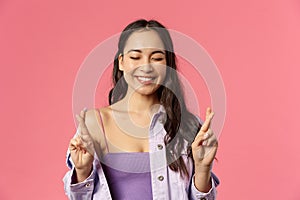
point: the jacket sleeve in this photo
(210, 195)
(82, 190)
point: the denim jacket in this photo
(166, 184)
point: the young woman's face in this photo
(143, 62)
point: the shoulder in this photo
(92, 116)
(95, 128)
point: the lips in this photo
(145, 79)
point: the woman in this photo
(150, 146)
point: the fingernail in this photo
(205, 135)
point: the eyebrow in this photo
(140, 51)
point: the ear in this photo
(120, 59)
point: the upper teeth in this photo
(144, 78)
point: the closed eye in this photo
(134, 58)
(158, 59)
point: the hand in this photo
(81, 157)
(205, 144)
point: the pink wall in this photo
(255, 45)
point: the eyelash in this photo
(156, 59)
(135, 58)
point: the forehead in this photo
(144, 39)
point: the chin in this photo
(147, 90)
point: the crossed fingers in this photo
(205, 136)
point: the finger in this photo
(208, 111)
(81, 120)
(203, 137)
(212, 141)
(199, 138)
(205, 126)
(207, 137)
(209, 117)
(208, 134)
(82, 113)
(77, 144)
(74, 144)
(81, 144)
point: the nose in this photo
(146, 66)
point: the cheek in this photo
(129, 66)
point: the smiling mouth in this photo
(145, 79)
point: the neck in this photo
(139, 103)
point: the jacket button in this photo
(160, 119)
(160, 178)
(160, 147)
(87, 185)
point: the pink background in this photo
(255, 45)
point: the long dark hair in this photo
(181, 126)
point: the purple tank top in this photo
(128, 175)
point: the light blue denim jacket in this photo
(166, 184)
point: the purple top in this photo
(165, 183)
(128, 175)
